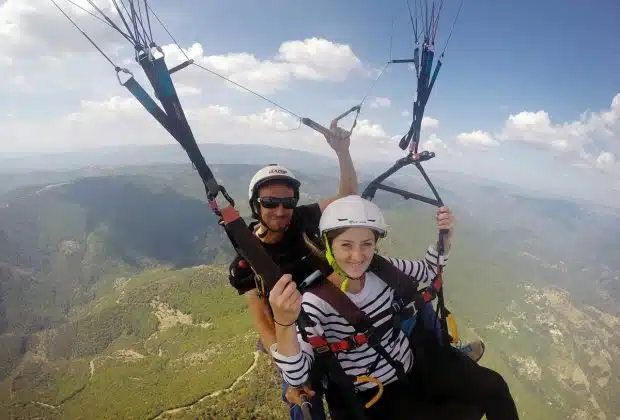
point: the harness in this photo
(406, 302)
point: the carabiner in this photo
(373, 400)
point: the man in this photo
(273, 196)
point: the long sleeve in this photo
(295, 368)
(334, 327)
(424, 270)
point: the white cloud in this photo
(185, 90)
(428, 122)
(434, 144)
(311, 59)
(537, 128)
(477, 138)
(318, 59)
(30, 30)
(122, 121)
(34, 27)
(379, 102)
(367, 129)
(72, 69)
(605, 160)
(594, 137)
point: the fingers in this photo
(341, 133)
(445, 218)
(284, 294)
(308, 390)
(338, 132)
(281, 284)
(288, 294)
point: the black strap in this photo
(173, 119)
(327, 291)
(405, 287)
(328, 363)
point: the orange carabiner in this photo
(374, 399)
(452, 328)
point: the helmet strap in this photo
(329, 255)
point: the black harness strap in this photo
(327, 362)
(407, 300)
(173, 119)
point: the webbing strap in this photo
(331, 294)
(320, 343)
(173, 119)
(250, 249)
(328, 363)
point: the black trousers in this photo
(443, 384)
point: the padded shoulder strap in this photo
(327, 291)
(404, 286)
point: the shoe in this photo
(474, 349)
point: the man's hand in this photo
(340, 139)
(293, 394)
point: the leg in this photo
(454, 378)
(474, 349)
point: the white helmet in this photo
(270, 173)
(352, 211)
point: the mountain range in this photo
(113, 283)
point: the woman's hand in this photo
(445, 221)
(285, 301)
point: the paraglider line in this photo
(120, 14)
(220, 75)
(415, 31)
(148, 20)
(82, 8)
(84, 33)
(246, 89)
(110, 22)
(452, 28)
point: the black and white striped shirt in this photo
(375, 297)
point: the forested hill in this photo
(62, 241)
(114, 284)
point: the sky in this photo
(529, 91)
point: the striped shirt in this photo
(374, 297)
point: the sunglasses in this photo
(273, 202)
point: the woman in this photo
(443, 385)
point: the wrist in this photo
(343, 153)
(284, 323)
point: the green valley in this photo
(114, 299)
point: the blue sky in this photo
(505, 59)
